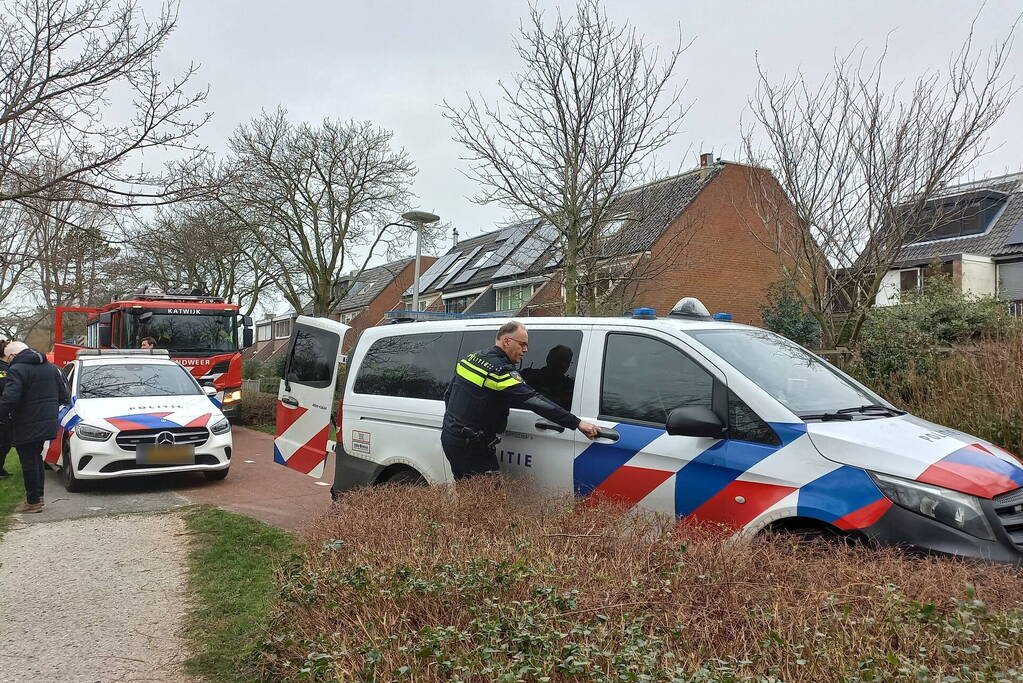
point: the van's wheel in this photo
(405, 478)
(71, 483)
(216, 475)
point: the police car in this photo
(703, 419)
(136, 413)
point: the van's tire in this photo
(216, 475)
(405, 478)
(71, 483)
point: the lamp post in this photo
(418, 219)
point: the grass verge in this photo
(495, 583)
(232, 564)
(12, 490)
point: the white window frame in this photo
(284, 321)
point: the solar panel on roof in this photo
(433, 272)
(459, 264)
(526, 255)
(515, 234)
(1016, 235)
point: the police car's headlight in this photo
(221, 427)
(89, 433)
(957, 510)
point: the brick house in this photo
(687, 235)
(975, 231)
(372, 293)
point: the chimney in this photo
(706, 162)
(454, 236)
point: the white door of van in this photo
(305, 398)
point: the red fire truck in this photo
(203, 333)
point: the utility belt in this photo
(475, 436)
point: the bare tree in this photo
(319, 199)
(860, 163)
(591, 107)
(64, 66)
(201, 244)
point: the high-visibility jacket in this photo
(485, 386)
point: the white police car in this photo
(137, 413)
(707, 420)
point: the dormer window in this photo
(613, 226)
(958, 216)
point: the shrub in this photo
(274, 367)
(258, 408)
(903, 338)
(252, 368)
(492, 583)
(785, 314)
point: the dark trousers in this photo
(468, 457)
(5, 446)
(32, 469)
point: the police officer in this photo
(5, 425)
(485, 386)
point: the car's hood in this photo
(148, 413)
(909, 447)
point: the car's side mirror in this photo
(208, 390)
(695, 421)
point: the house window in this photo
(263, 332)
(514, 298)
(613, 226)
(282, 329)
(458, 304)
(956, 219)
(909, 280)
(349, 316)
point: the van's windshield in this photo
(788, 372)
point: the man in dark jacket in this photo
(5, 426)
(485, 386)
(33, 391)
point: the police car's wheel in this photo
(71, 482)
(216, 475)
(405, 477)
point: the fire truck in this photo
(203, 333)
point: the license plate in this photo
(152, 454)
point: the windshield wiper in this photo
(871, 407)
(824, 417)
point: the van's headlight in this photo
(957, 510)
(221, 427)
(89, 433)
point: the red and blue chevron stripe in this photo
(846, 497)
(975, 470)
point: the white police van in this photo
(708, 420)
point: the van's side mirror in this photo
(247, 330)
(695, 421)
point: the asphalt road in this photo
(256, 486)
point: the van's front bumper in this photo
(913, 531)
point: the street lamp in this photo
(418, 219)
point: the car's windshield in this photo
(185, 333)
(126, 380)
(798, 379)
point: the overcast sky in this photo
(393, 62)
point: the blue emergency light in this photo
(722, 316)
(645, 313)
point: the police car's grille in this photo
(122, 465)
(1009, 508)
(195, 436)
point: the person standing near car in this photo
(148, 344)
(485, 386)
(5, 425)
(33, 391)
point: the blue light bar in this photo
(722, 316)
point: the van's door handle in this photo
(548, 426)
(289, 401)
(609, 434)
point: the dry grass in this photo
(493, 583)
(976, 388)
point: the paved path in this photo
(257, 487)
(94, 599)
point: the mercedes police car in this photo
(136, 413)
(702, 419)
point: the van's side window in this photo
(645, 379)
(745, 425)
(551, 362)
(409, 365)
(313, 357)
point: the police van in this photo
(700, 418)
